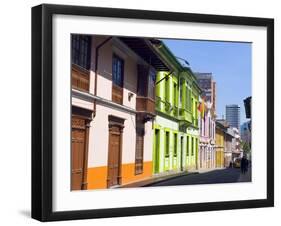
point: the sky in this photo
(229, 62)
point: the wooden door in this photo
(78, 152)
(114, 156)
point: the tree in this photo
(246, 148)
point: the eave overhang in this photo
(147, 52)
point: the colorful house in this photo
(176, 132)
(221, 153)
(113, 107)
(207, 125)
(229, 140)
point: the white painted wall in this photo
(98, 137)
(166, 123)
(82, 103)
(104, 80)
(98, 145)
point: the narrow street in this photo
(229, 175)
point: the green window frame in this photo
(192, 146)
(189, 100)
(175, 93)
(192, 106)
(167, 144)
(186, 95)
(175, 144)
(196, 147)
(167, 88)
(187, 145)
(181, 92)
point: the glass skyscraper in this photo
(232, 112)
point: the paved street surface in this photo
(229, 175)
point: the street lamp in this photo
(184, 60)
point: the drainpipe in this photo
(96, 69)
(179, 94)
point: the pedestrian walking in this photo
(244, 165)
(230, 164)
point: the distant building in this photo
(208, 86)
(248, 106)
(245, 131)
(229, 146)
(207, 125)
(232, 112)
(237, 152)
(221, 129)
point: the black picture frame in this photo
(42, 111)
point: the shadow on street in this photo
(228, 175)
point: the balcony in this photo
(117, 94)
(175, 111)
(80, 78)
(145, 105)
(185, 116)
(166, 107)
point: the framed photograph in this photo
(145, 112)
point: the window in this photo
(196, 145)
(117, 71)
(181, 84)
(205, 127)
(210, 128)
(192, 146)
(142, 81)
(167, 144)
(146, 82)
(175, 94)
(151, 84)
(192, 106)
(139, 146)
(187, 145)
(117, 79)
(81, 50)
(188, 99)
(167, 88)
(196, 111)
(175, 144)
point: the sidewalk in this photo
(209, 170)
(158, 178)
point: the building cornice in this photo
(91, 98)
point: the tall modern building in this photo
(245, 131)
(232, 112)
(208, 86)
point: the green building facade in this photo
(176, 132)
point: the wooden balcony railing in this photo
(117, 94)
(145, 104)
(158, 103)
(80, 78)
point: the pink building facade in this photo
(207, 152)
